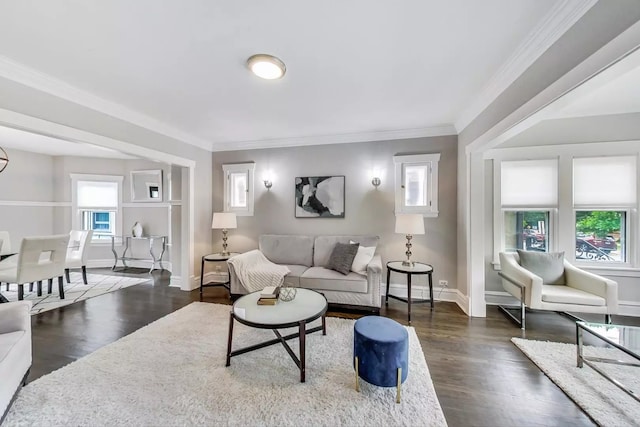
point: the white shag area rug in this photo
(172, 372)
(75, 291)
(603, 401)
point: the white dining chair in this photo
(77, 252)
(39, 258)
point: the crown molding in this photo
(34, 79)
(556, 22)
(388, 135)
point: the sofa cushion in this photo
(15, 360)
(324, 246)
(284, 249)
(342, 257)
(8, 341)
(548, 265)
(568, 295)
(295, 271)
(362, 259)
(320, 278)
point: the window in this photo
(97, 201)
(528, 194)
(417, 184)
(238, 188)
(604, 193)
(526, 230)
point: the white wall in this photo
(368, 210)
(33, 103)
(35, 199)
(566, 63)
(27, 196)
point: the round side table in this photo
(418, 268)
(215, 258)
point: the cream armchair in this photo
(581, 291)
(77, 252)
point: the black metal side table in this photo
(417, 268)
(215, 258)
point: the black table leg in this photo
(230, 337)
(386, 302)
(324, 326)
(303, 333)
(409, 294)
(202, 279)
(431, 290)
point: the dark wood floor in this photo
(480, 377)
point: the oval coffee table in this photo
(307, 306)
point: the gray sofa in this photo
(15, 350)
(307, 257)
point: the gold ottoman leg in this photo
(399, 386)
(357, 376)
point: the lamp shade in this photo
(224, 220)
(409, 224)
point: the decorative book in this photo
(270, 292)
(267, 301)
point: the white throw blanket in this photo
(256, 272)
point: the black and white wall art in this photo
(320, 197)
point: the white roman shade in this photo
(604, 181)
(529, 183)
(97, 194)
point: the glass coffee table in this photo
(624, 338)
(306, 307)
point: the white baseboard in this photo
(175, 281)
(629, 308)
(499, 298)
(108, 263)
(422, 292)
(625, 308)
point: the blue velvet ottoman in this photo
(380, 352)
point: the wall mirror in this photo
(146, 186)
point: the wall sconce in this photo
(4, 159)
(268, 183)
(376, 181)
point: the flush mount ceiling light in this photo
(266, 66)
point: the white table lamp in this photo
(409, 224)
(224, 221)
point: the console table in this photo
(127, 241)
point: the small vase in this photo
(136, 230)
(287, 292)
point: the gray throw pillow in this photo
(342, 257)
(548, 265)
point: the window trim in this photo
(76, 215)
(499, 210)
(432, 160)
(564, 216)
(249, 170)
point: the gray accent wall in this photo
(369, 210)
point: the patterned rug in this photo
(75, 291)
